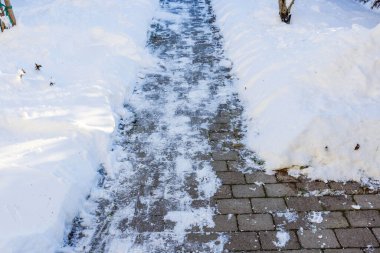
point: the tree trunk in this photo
(10, 12)
(285, 10)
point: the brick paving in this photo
(256, 208)
(254, 212)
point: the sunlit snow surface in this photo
(311, 89)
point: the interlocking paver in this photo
(234, 206)
(280, 190)
(290, 220)
(318, 239)
(356, 238)
(310, 186)
(222, 120)
(368, 201)
(248, 191)
(219, 136)
(255, 222)
(347, 187)
(311, 220)
(376, 232)
(243, 241)
(218, 127)
(219, 165)
(231, 177)
(260, 177)
(343, 251)
(225, 156)
(266, 205)
(285, 178)
(368, 218)
(224, 223)
(223, 192)
(331, 220)
(304, 204)
(233, 165)
(271, 240)
(333, 203)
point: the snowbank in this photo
(311, 89)
(56, 123)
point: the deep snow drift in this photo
(311, 89)
(55, 123)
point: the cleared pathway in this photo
(181, 185)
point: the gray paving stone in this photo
(248, 191)
(310, 186)
(255, 222)
(371, 250)
(222, 120)
(225, 156)
(245, 241)
(268, 205)
(356, 237)
(347, 187)
(367, 218)
(233, 165)
(218, 127)
(260, 177)
(333, 203)
(288, 251)
(319, 239)
(368, 201)
(333, 220)
(219, 165)
(283, 177)
(234, 206)
(376, 231)
(224, 223)
(269, 240)
(280, 190)
(343, 251)
(224, 192)
(219, 136)
(231, 177)
(290, 220)
(304, 220)
(303, 204)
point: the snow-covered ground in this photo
(55, 124)
(311, 89)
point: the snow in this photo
(53, 138)
(311, 89)
(288, 215)
(316, 217)
(283, 238)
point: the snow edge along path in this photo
(53, 138)
(311, 89)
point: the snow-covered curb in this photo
(311, 89)
(56, 123)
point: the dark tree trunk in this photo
(284, 10)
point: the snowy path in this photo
(166, 180)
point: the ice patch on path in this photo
(283, 238)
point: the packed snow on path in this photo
(311, 89)
(55, 124)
